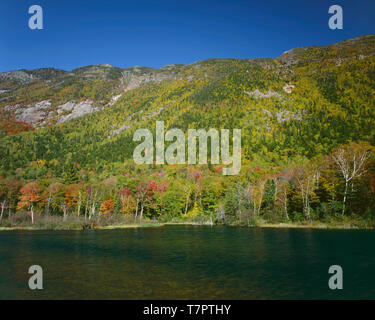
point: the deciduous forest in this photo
(308, 137)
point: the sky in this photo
(156, 33)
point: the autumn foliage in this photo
(30, 195)
(9, 126)
(107, 207)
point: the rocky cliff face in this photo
(137, 76)
(49, 95)
(73, 109)
(41, 113)
(26, 76)
(44, 111)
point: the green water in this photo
(188, 262)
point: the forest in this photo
(308, 137)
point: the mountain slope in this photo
(303, 103)
(307, 118)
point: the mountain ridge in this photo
(339, 43)
(281, 88)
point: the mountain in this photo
(306, 101)
(303, 116)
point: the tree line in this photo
(335, 187)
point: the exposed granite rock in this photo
(38, 114)
(33, 113)
(12, 108)
(137, 76)
(66, 107)
(25, 76)
(291, 57)
(17, 75)
(114, 99)
(76, 109)
(260, 95)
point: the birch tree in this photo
(306, 180)
(351, 162)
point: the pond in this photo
(188, 262)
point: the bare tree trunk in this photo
(286, 204)
(79, 204)
(136, 211)
(305, 199)
(141, 214)
(32, 214)
(3, 204)
(308, 200)
(87, 204)
(344, 201)
(92, 211)
(48, 204)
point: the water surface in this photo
(188, 262)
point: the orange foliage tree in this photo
(30, 196)
(107, 207)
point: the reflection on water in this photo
(188, 262)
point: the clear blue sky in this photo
(155, 33)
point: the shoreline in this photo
(321, 226)
(282, 225)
